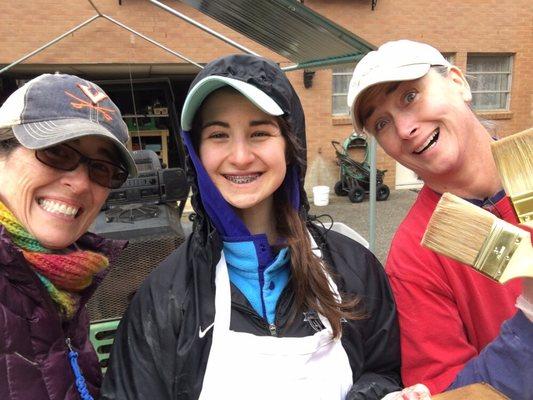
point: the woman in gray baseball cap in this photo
(62, 149)
(417, 106)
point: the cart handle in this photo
(336, 146)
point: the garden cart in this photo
(354, 176)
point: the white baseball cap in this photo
(401, 60)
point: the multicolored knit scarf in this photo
(63, 275)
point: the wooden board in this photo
(477, 391)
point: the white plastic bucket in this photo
(321, 195)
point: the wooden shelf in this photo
(161, 133)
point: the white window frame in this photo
(509, 73)
(335, 72)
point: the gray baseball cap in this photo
(55, 108)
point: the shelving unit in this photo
(144, 121)
(148, 129)
(162, 134)
(148, 108)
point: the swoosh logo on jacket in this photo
(202, 333)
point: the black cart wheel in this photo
(382, 192)
(339, 190)
(356, 194)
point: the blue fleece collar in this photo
(261, 283)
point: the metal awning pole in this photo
(203, 27)
(175, 53)
(325, 63)
(372, 217)
(48, 44)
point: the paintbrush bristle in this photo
(514, 159)
(457, 229)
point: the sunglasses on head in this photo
(66, 158)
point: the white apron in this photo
(244, 366)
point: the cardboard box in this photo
(477, 391)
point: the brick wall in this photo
(455, 26)
(458, 27)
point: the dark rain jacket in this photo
(34, 360)
(163, 342)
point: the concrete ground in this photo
(389, 214)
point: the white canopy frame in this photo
(322, 63)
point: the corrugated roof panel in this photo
(288, 28)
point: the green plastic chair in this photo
(102, 335)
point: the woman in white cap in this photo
(416, 105)
(61, 151)
(259, 303)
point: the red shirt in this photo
(448, 312)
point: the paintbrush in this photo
(514, 160)
(474, 236)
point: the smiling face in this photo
(56, 207)
(423, 124)
(242, 150)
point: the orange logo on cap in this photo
(95, 96)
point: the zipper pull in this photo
(69, 345)
(313, 319)
(272, 329)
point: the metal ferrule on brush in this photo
(523, 205)
(498, 248)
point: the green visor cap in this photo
(209, 84)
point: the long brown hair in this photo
(309, 274)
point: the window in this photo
(450, 57)
(489, 77)
(341, 80)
